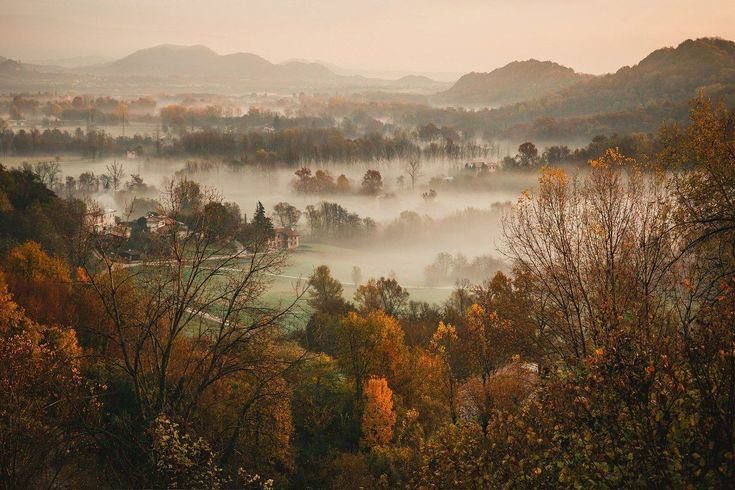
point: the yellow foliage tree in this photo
(378, 418)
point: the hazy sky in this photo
(451, 36)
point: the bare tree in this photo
(595, 254)
(413, 169)
(48, 172)
(190, 317)
(115, 173)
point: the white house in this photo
(100, 220)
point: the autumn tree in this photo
(378, 416)
(40, 283)
(46, 403)
(370, 345)
(382, 294)
(444, 345)
(185, 326)
(575, 244)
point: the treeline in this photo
(642, 147)
(329, 221)
(101, 110)
(294, 145)
(448, 269)
(179, 118)
(290, 146)
(93, 143)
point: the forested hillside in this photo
(516, 82)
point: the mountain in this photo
(515, 82)
(666, 76)
(200, 62)
(633, 99)
(416, 82)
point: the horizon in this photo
(443, 39)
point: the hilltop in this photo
(514, 82)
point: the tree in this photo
(40, 283)
(325, 297)
(372, 182)
(122, 113)
(325, 292)
(115, 173)
(181, 336)
(136, 184)
(528, 154)
(45, 402)
(588, 269)
(260, 229)
(413, 169)
(705, 192)
(187, 200)
(223, 220)
(444, 345)
(382, 294)
(429, 196)
(370, 345)
(378, 417)
(181, 461)
(288, 215)
(48, 173)
(343, 184)
(322, 419)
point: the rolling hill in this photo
(666, 76)
(200, 62)
(634, 98)
(515, 82)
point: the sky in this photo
(403, 36)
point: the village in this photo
(133, 240)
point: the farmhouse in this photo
(155, 222)
(100, 220)
(284, 239)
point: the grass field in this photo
(340, 261)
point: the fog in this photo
(457, 221)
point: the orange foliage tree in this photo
(45, 403)
(378, 418)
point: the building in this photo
(284, 239)
(100, 220)
(155, 222)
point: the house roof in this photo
(286, 231)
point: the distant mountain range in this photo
(177, 68)
(515, 82)
(521, 93)
(198, 62)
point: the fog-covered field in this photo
(458, 221)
